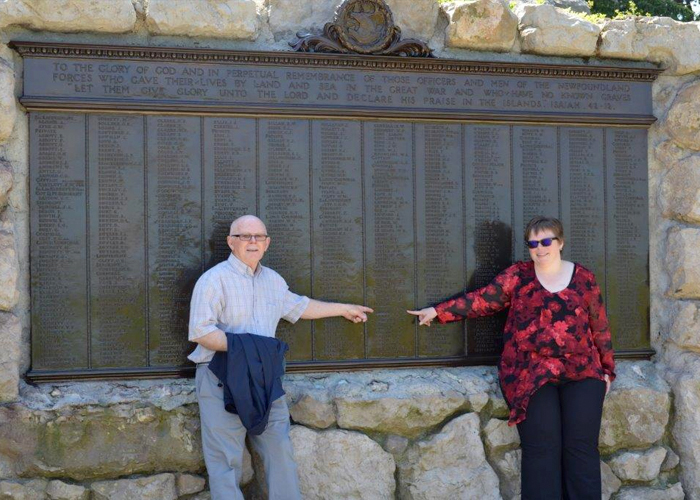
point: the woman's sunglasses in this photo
(545, 242)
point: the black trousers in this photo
(559, 439)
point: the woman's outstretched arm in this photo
(485, 301)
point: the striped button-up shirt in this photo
(232, 298)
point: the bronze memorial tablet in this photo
(391, 181)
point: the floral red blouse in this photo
(548, 337)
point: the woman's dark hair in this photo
(539, 224)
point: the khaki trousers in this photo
(223, 440)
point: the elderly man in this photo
(240, 295)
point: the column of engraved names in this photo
(229, 180)
(174, 238)
(58, 242)
(337, 230)
(535, 178)
(440, 231)
(583, 198)
(390, 240)
(489, 224)
(285, 208)
(628, 238)
(117, 255)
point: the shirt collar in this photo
(242, 268)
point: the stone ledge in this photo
(406, 403)
(145, 427)
(98, 443)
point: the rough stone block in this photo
(685, 329)
(232, 19)
(287, 17)
(449, 464)
(313, 412)
(508, 469)
(580, 6)
(416, 18)
(189, 484)
(8, 104)
(610, 481)
(656, 39)
(674, 492)
(396, 445)
(205, 495)
(548, 30)
(680, 190)
(409, 404)
(159, 487)
(10, 490)
(671, 461)
(9, 269)
(67, 16)
(481, 25)
(638, 465)
(94, 442)
(683, 119)
(10, 342)
(686, 425)
(498, 407)
(619, 40)
(682, 257)
(5, 182)
(342, 464)
(499, 436)
(407, 417)
(667, 154)
(58, 490)
(637, 408)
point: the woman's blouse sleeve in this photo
(600, 330)
(485, 301)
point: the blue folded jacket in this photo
(250, 372)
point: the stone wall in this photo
(428, 433)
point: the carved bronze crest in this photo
(362, 27)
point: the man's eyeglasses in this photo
(248, 237)
(545, 242)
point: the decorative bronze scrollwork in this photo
(362, 27)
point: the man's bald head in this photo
(247, 221)
(248, 251)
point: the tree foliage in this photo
(680, 10)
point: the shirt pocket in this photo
(267, 315)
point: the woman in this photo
(556, 365)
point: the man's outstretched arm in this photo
(352, 312)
